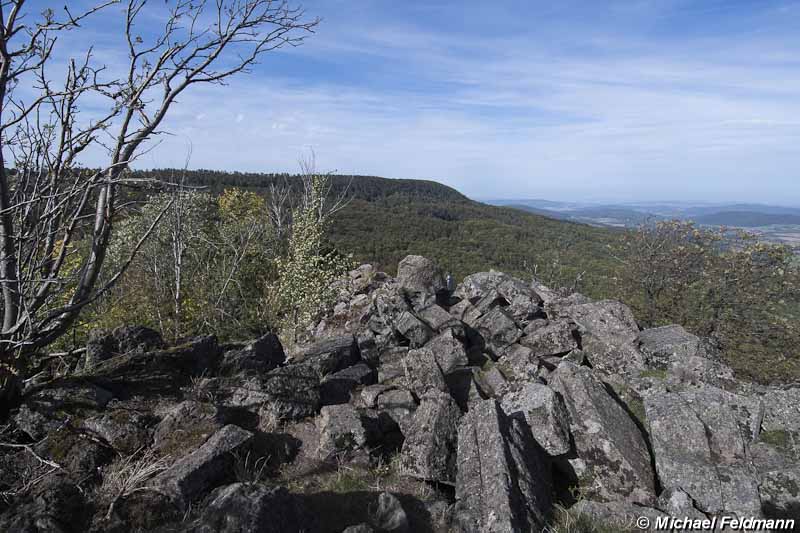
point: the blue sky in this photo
(581, 100)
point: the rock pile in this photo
(501, 398)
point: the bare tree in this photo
(56, 218)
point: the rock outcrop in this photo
(415, 408)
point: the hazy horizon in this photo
(625, 101)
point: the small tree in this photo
(725, 285)
(306, 273)
(47, 198)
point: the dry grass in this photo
(131, 474)
(250, 469)
(570, 521)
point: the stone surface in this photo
(293, 390)
(699, 462)
(676, 502)
(204, 468)
(663, 345)
(498, 330)
(448, 351)
(503, 480)
(429, 450)
(399, 405)
(413, 329)
(337, 387)
(125, 430)
(329, 355)
(423, 373)
(48, 407)
(619, 515)
(544, 412)
(523, 303)
(340, 431)
(185, 427)
(250, 507)
(389, 515)
(260, 355)
(122, 340)
(612, 461)
(420, 280)
(558, 337)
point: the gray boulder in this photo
(676, 502)
(252, 508)
(125, 430)
(420, 280)
(437, 318)
(429, 449)
(399, 406)
(780, 493)
(185, 427)
(293, 390)
(608, 332)
(498, 330)
(340, 431)
(330, 355)
(522, 302)
(337, 387)
(48, 407)
(503, 481)
(544, 412)
(391, 369)
(557, 337)
(389, 515)
(700, 463)
(204, 468)
(260, 355)
(413, 329)
(612, 461)
(519, 363)
(663, 345)
(122, 340)
(423, 373)
(448, 351)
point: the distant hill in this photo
(388, 219)
(747, 219)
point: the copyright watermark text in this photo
(727, 523)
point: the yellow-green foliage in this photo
(303, 289)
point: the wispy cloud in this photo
(636, 99)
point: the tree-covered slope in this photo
(387, 219)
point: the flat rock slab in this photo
(543, 410)
(612, 462)
(688, 456)
(557, 337)
(340, 431)
(429, 449)
(503, 482)
(205, 468)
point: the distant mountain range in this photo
(775, 223)
(627, 214)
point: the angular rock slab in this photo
(523, 302)
(422, 372)
(340, 431)
(429, 450)
(685, 458)
(420, 280)
(250, 507)
(544, 412)
(612, 462)
(557, 337)
(503, 482)
(205, 467)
